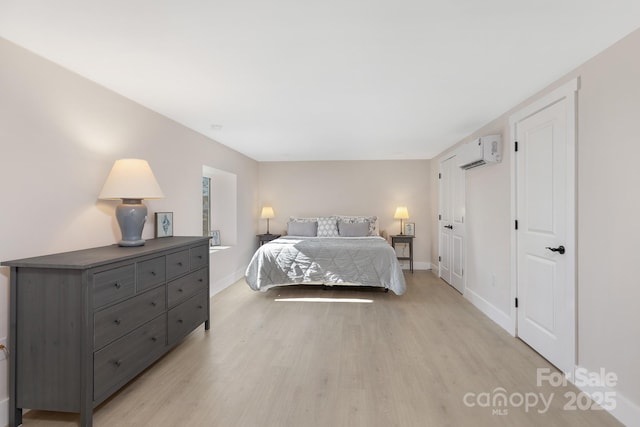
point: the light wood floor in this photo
(395, 361)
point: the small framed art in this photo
(215, 238)
(164, 224)
(410, 228)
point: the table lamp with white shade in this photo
(267, 213)
(401, 213)
(131, 180)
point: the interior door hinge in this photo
(516, 224)
(516, 145)
(439, 258)
(516, 302)
(439, 216)
(439, 176)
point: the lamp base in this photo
(131, 215)
(131, 243)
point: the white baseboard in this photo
(226, 281)
(4, 412)
(417, 265)
(490, 310)
(421, 265)
(626, 411)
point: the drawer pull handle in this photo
(201, 280)
(200, 306)
(118, 363)
(117, 285)
(180, 290)
(153, 303)
(179, 263)
(154, 339)
(117, 321)
(180, 321)
(153, 273)
(199, 256)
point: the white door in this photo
(452, 223)
(545, 236)
(445, 219)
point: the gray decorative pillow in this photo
(302, 229)
(353, 229)
(371, 220)
(327, 226)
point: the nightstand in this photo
(404, 238)
(265, 238)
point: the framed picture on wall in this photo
(164, 224)
(410, 228)
(215, 238)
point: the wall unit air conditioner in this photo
(481, 151)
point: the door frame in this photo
(567, 91)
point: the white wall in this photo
(608, 232)
(351, 188)
(59, 137)
(608, 206)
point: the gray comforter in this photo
(364, 261)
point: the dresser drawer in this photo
(151, 273)
(177, 264)
(185, 287)
(199, 257)
(122, 360)
(118, 320)
(113, 285)
(187, 316)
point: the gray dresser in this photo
(84, 323)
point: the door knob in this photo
(559, 249)
(450, 227)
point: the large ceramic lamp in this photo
(401, 213)
(132, 181)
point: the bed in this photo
(349, 261)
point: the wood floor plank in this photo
(382, 360)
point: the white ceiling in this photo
(324, 79)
